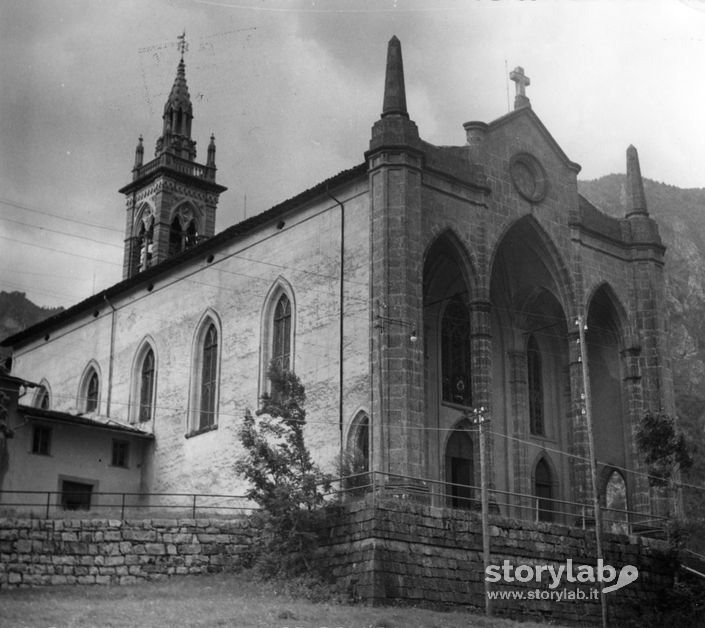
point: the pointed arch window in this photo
(89, 393)
(190, 235)
(281, 334)
(182, 237)
(278, 325)
(146, 245)
(92, 393)
(360, 444)
(147, 377)
(544, 491)
(455, 353)
(175, 237)
(209, 381)
(535, 387)
(42, 398)
(205, 378)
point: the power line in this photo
(10, 203)
(66, 233)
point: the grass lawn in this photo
(220, 600)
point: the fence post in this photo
(536, 503)
(48, 504)
(122, 508)
(583, 515)
(194, 506)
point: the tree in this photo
(665, 451)
(284, 481)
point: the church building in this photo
(421, 284)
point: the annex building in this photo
(422, 283)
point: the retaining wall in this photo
(380, 552)
(399, 552)
(101, 551)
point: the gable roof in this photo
(235, 231)
(528, 111)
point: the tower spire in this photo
(178, 114)
(636, 199)
(394, 90)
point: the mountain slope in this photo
(17, 312)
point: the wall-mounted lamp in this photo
(381, 320)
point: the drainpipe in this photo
(112, 355)
(340, 325)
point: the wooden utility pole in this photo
(480, 419)
(587, 414)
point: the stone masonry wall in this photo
(399, 552)
(100, 551)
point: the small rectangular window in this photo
(41, 440)
(76, 495)
(121, 451)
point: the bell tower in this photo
(172, 199)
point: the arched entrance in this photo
(459, 468)
(531, 390)
(448, 363)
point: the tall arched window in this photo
(190, 235)
(205, 378)
(42, 397)
(183, 234)
(543, 490)
(209, 375)
(281, 334)
(146, 245)
(147, 376)
(175, 237)
(277, 333)
(89, 391)
(455, 353)
(360, 444)
(535, 387)
(92, 393)
(459, 470)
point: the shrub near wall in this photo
(101, 551)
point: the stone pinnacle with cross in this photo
(522, 81)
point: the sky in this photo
(291, 88)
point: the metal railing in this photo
(62, 504)
(376, 485)
(508, 504)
